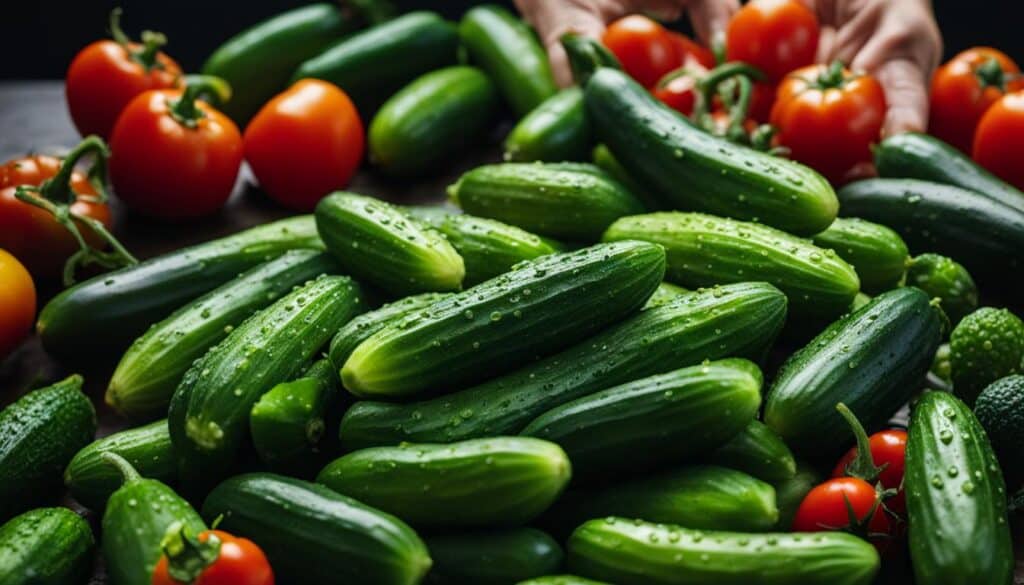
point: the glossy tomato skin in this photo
(646, 50)
(961, 92)
(305, 143)
(776, 36)
(161, 167)
(762, 98)
(824, 509)
(17, 303)
(690, 52)
(888, 448)
(680, 92)
(241, 562)
(999, 139)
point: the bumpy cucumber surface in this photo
(492, 557)
(947, 279)
(759, 451)
(554, 131)
(985, 346)
(46, 546)
(665, 292)
(877, 253)
(489, 247)
(561, 580)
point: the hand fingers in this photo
(711, 17)
(553, 18)
(906, 95)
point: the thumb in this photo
(551, 19)
(906, 95)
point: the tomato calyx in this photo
(188, 556)
(863, 465)
(207, 87)
(861, 527)
(835, 76)
(152, 42)
(990, 74)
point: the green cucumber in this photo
(956, 499)
(585, 54)
(39, 434)
(375, 241)
(209, 415)
(427, 122)
(872, 360)
(606, 161)
(946, 279)
(985, 346)
(877, 253)
(790, 493)
(669, 417)
(104, 314)
(145, 379)
(396, 52)
(47, 546)
(91, 479)
(541, 307)
(691, 169)
(561, 580)
(702, 250)
(665, 292)
(759, 451)
(500, 481)
(941, 366)
(316, 536)
(556, 130)
(548, 199)
(489, 247)
(736, 320)
(641, 553)
(494, 557)
(504, 47)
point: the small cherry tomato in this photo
(690, 52)
(239, 562)
(888, 449)
(827, 507)
(17, 303)
(645, 49)
(305, 143)
(776, 36)
(678, 90)
(999, 139)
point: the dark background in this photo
(39, 38)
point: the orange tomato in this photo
(999, 139)
(17, 303)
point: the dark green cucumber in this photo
(47, 546)
(91, 479)
(947, 279)
(39, 434)
(556, 130)
(373, 64)
(435, 117)
(759, 451)
(736, 320)
(872, 360)
(877, 253)
(641, 553)
(148, 373)
(691, 169)
(540, 307)
(103, 314)
(315, 536)
(703, 250)
(500, 481)
(209, 415)
(790, 493)
(956, 499)
(586, 54)
(561, 580)
(551, 200)
(606, 161)
(494, 557)
(669, 417)
(665, 292)
(375, 241)
(985, 346)
(1000, 410)
(504, 47)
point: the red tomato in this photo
(240, 562)
(828, 117)
(17, 303)
(999, 139)
(691, 52)
(679, 91)
(824, 508)
(776, 36)
(108, 74)
(305, 143)
(888, 448)
(645, 49)
(761, 101)
(964, 88)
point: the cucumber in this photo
(490, 248)
(735, 320)
(627, 553)
(985, 346)
(315, 536)
(504, 47)
(557, 201)
(561, 580)
(606, 161)
(104, 314)
(47, 546)
(790, 493)
(556, 130)
(691, 169)
(494, 557)
(500, 481)
(872, 360)
(956, 499)
(702, 250)
(665, 292)
(375, 241)
(759, 451)
(941, 366)
(877, 253)
(585, 54)
(671, 417)
(541, 307)
(396, 52)
(435, 117)
(145, 379)
(209, 415)
(39, 434)
(946, 279)
(91, 479)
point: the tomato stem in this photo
(832, 77)
(184, 109)
(187, 556)
(863, 465)
(990, 74)
(152, 42)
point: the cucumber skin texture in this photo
(561, 580)
(1000, 410)
(606, 161)
(430, 120)
(397, 52)
(499, 481)
(94, 317)
(375, 241)
(490, 248)
(313, 535)
(541, 307)
(553, 200)
(690, 169)
(39, 434)
(877, 253)
(496, 557)
(147, 448)
(790, 493)
(943, 277)
(504, 47)
(556, 130)
(665, 292)
(747, 318)
(144, 381)
(759, 451)
(872, 360)
(957, 536)
(52, 545)
(209, 415)
(703, 250)
(670, 417)
(985, 346)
